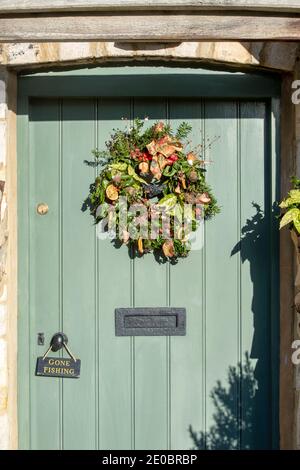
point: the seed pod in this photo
(190, 198)
(193, 176)
(182, 181)
(177, 189)
(117, 178)
(130, 190)
(191, 158)
(144, 167)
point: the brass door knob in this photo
(42, 208)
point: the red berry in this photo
(173, 158)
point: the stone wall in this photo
(273, 55)
(4, 418)
(15, 57)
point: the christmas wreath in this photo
(150, 170)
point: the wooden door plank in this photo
(222, 281)
(255, 277)
(274, 146)
(186, 290)
(79, 316)
(45, 308)
(114, 284)
(151, 353)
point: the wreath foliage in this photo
(151, 167)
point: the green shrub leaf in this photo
(290, 216)
(297, 224)
(294, 198)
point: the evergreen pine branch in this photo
(183, 130)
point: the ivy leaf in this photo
(168, 202)
(119, 166)
(294, 198)
(132, 173)
(290, 216)
(297, 224)
(294, 193)
(105, 183)
(102, 210)
(169, 171)
(177, 211)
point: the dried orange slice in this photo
(112, 192)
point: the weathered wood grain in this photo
(287, 168)
(12, 6)
(154, 26)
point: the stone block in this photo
(273, 55)
(3, 398)
(4, 432)
(3, 362)
(3, 320)
(3, 142)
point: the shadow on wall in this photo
(245, 408)
(225, 432)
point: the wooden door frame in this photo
(102, 82)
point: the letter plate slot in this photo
(160, 321)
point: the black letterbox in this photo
(146, 321)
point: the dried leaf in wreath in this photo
(155, 169)
(168, 249)
(152, 147)
(204, 198)
(140, 246)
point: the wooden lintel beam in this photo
(155, 26)
(39, 6)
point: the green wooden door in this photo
(216, 387)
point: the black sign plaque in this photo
(58, 367)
